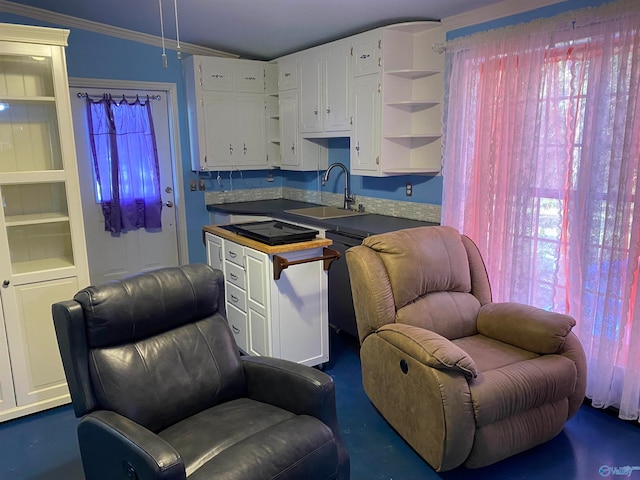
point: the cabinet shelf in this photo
(411, 171)
(25, 99)
(41, 265)
(412, 73)
(35, 219)
(412, 105)
(403, 136)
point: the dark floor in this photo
(44, 447)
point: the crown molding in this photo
(74, 22)
(501, 9)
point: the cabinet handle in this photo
(250, 78)
(287, 74)
(280, 263)
(234, 299)
(244, 148)
(233, 254)
(315, 111)
(235, 329)
(6, 283)
(293, 147)
(233, 276)
(358, 148)
(364, 56)
(217, 75)
(328, 109)
(230, 149)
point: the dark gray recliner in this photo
(156, 377)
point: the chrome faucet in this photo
(348, 198)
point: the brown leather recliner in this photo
(462, 380)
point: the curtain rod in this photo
(128, 97)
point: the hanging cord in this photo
(164, 53)
(175, 7)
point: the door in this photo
(337, 71)
(364, 138)
(310, 89)
(117, 256)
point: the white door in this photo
(117, 256)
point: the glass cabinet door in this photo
(32, 183)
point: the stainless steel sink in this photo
(323, 212)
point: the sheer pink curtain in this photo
(541, 160)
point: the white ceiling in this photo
(257, 29)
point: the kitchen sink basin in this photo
(323, 212)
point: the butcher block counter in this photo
(263, 247)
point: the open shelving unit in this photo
(412, 93)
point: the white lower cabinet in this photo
(285, 318)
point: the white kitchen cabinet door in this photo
(311, 108)
(213, 246)
(289, 129)
(219, 113)
(366, 53)
(35, 359)
(249, 136)
(366, 121)
(336, 71)
(261, 324)
(7, 393)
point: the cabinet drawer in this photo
(238, 324)
(234, 253)
(236, 297)
(235, 274)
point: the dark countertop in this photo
(357, 225)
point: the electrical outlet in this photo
(409, 189)
(201, 185)
(192, 185)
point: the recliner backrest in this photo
(159, 347)
(429, 273)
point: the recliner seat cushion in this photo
(516, 388)
(250, 439)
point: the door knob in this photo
(6, 283)
(169, 204)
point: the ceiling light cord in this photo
(175, 7)
(164, 54)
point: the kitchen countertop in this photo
(357, 225)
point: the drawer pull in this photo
(233, 276)
(233, 254)
(235, 329)
(280, 263)
(234, 299)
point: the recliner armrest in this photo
(429, 348)
(297, 388)
(524, 326)
(113, 446)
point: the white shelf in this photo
(35, 219)
(426, 136)
(411, 171)
(21, 99)
(41, 265)
(412, 73)
(411, 105)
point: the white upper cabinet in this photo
(408, 107)
(324, 74)
(227, 103)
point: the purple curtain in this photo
(125, 160)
